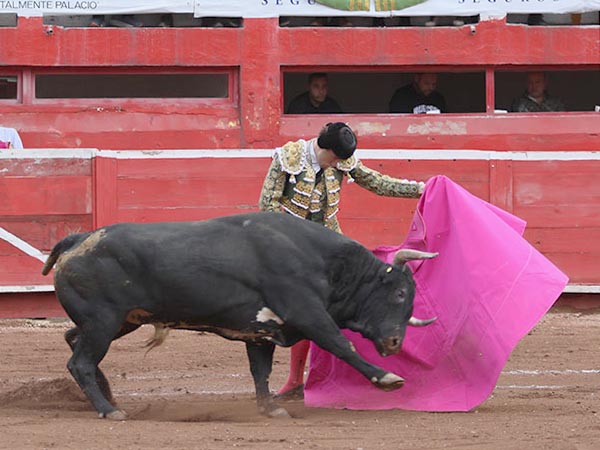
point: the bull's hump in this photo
(84, 247)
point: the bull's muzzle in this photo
(389, 345)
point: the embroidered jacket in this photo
(291, 185)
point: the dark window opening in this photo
(8, 87)
(589, 18)
(371, 92)
(357, 21)
(566, 90)
(132, 86)
(144, 20)
(8, 20)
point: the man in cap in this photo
(304, 180)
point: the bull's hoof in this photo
(279, 413)
(389, 382)
(117, 414)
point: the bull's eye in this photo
(400, 297)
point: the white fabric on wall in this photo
(11, 135)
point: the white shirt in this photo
(11, 135)
(313, 156)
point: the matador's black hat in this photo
(340, 138)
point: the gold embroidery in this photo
(346, 165)
(292, 157)
(272, 191)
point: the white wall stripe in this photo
(22, 245)
(50, 153)
(552, 372)
(25, 289)
(165, 375)
(532, 387)
(385, 154)
(582, 289)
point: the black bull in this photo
(264, 278)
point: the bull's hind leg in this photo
(72, 335)
(261, 363)
(90, 345)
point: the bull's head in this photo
(388, 306)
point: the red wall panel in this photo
(558, 199)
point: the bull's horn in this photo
(419, 322)
(407, 254)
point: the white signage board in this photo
(94, 7)
(381, 8)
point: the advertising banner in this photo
(94, 7)
(386, 8)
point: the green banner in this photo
(347, 5)
(364, 5)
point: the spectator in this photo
(221, 22)
(536, 97)
(418, 97)
(121, 21)
(437, 21)
(315, 100)
(536, 19)
(132, 20)
(304, 179)
(10, 138)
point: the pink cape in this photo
(488, 288)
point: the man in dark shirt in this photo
(315, 100)
(536, 98)
(419, 97)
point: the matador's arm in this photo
(384, 184)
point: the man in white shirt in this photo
(11, 138)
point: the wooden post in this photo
(501, 184)
(104, 186)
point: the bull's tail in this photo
(64, 245)
(160, 334)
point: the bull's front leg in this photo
(260, 357)
(324, 332)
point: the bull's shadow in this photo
(263, 278)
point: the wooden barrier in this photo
(48, 194)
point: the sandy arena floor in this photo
(196, 392)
